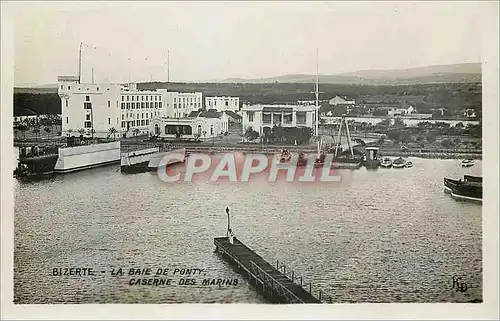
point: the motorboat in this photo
(450, 184)
(408, 164)
(386, 162)
(468, 162)
(399, 162)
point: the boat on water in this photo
(371, 160)
(408, 164)
(468, 162)
(386, 162)
(283, 157)
(450, 183)
(156, 160)
(399, 162)
(349, 158)
(468, 191)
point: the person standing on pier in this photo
(229, 233)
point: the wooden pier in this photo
(276, 286)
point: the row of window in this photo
(141, 105)
(226, 103)
(196, 105)
(136, 98)
(69, 88)
(187, 99)
(143, 122)
(148, 115)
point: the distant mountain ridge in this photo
(456, 73)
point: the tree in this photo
(113, 131)
(81, 131)
(399, 123)
(47, 130)
(380, 112)
(251, 134)
(36, 130)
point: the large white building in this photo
(104, 106)
(260, 117)
(180, 105)
(222, 103)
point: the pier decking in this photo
(275, 285)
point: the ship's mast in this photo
(316, 91)
(168, 68)
(80, 64)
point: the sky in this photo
(129, 41)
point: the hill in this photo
(457, 73)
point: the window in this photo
(227, 103)
(147, 122)
(152, 115)
(142, 115)
(62, 86)
(87, 117)
(123, 124)
(66, 102)
(211, 130)
(142, 98)
(301, 118)
(87, 124)
(175, 106)
(132, 98)
(133, 122)
(215, 102)
(133, 104)
(128, 105)
(175, 99)
(142, 122)
(69, 87)
(67, 120)
(137, 98)
(147, 98)
(199, 130)
(159, 104)
(142, 105)
(123, 117)
(127, 98)
(87, 105)
(87, 98)
(109, 103)
(147, 115)
(156, 105)
(97, 88)
(250, 115)
(109, 121)
(123, 105)
(123, 98)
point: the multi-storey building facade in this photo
(179, 105)
(261, 117)
(222, 103)
(100, 107)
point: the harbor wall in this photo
(88, 156)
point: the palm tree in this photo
(113, 131)
(36, 130)
(81, 131)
